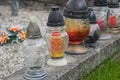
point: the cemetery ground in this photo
(13, 60)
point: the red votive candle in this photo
(112, 21)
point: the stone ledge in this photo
(78, 64)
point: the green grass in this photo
(109, 70)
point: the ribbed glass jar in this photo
(57, 40)
(34, 53)
(102, 15)
(77, 29)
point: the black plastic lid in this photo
(77, 9)
(92, 17)
(113, 5)
(100, 3)
(55, 18)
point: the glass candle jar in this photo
(114, 18)
(56, 38)
(77, 25)
(95, 32)
(34, 50)
(34, 53)
(76, 21)
(102, 13)
(77, 29)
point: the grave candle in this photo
(56, 38)
(102, 15)
(114, 19)
(76, 20)
(34, 50)
(77, 23)
(101, 10)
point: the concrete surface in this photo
(78, 65)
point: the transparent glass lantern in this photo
(57, 38)
(114, 18)
(34, 50)
(102, 15)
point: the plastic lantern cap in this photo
(33, 30)
(100, 3)
(55, 18)
(92, 17)
(77, 9)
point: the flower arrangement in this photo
(13, 34)
(22, 35)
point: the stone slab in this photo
(78, 65)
